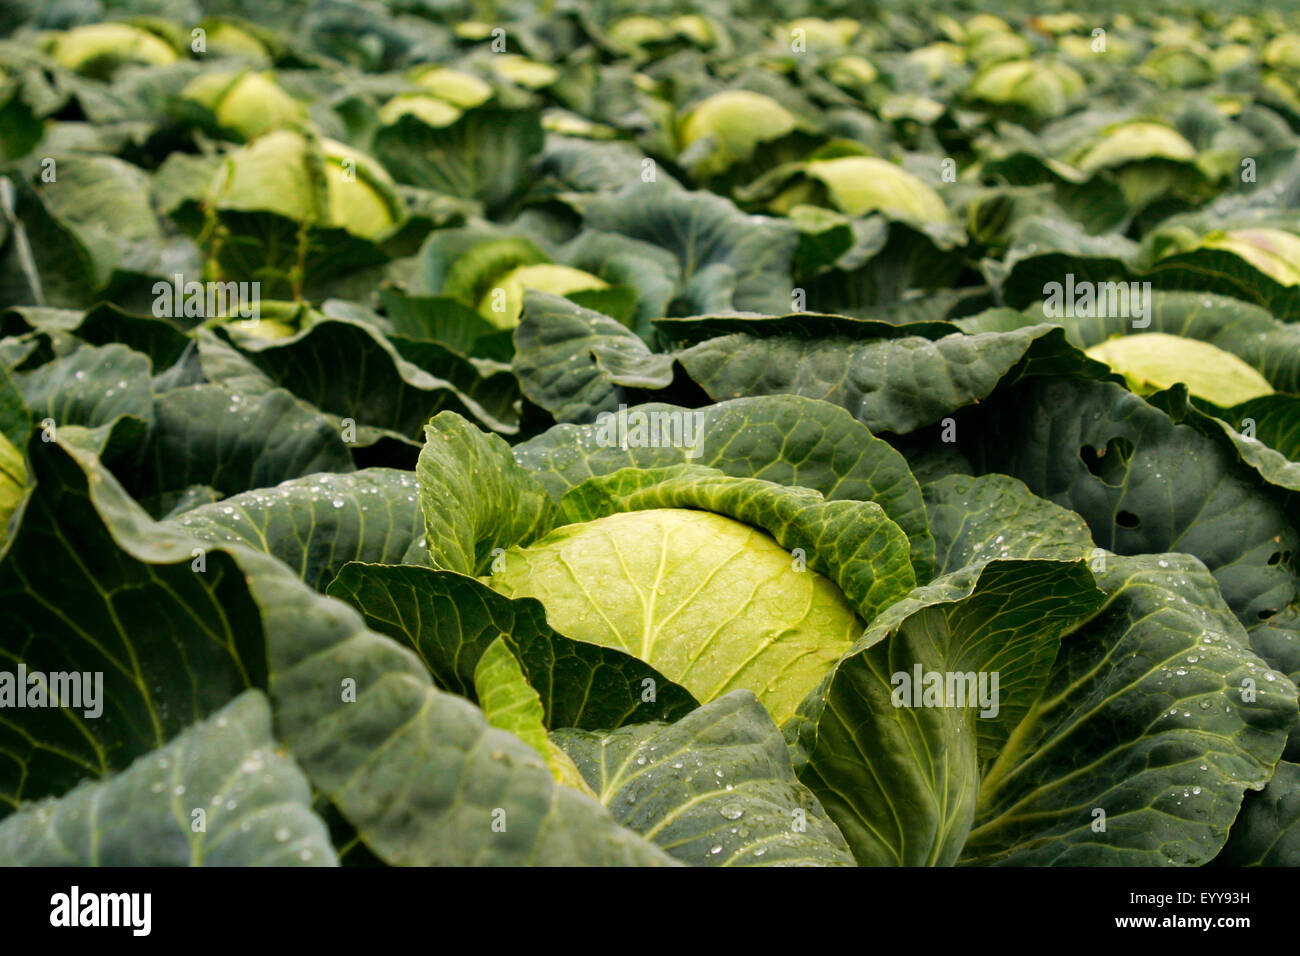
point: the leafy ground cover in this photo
(586, 434)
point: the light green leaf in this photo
(507, 700)
(1243, 263)
(510, 703)
(15, 426)
(475, 498)
(1247, 331)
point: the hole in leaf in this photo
(1109, 464)
(1127, 519)
(1267, 613)
(1280, 557)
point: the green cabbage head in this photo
(1274, 252)
(98, 49)
(713, 604)
(737, 122)
(857, 185)
(1043, 89)
(310, 180)
(246, 102)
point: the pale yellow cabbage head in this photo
(524, 72)
(1043, 88)
(247, 102)
(1152, 361)
(425, 107)
(693, 594)
(737, 121)
(1135, 142)
(458, 88)
(100, 47)
(508, 291)
(273, 173)
(858, 185)
(1274, 252)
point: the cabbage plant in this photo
(748, 562)
(570, 434)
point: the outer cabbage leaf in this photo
(790, 440)
(713, 789)
(450, 620)
(254, 801)
(419, 774)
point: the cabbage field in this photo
(592, 433)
